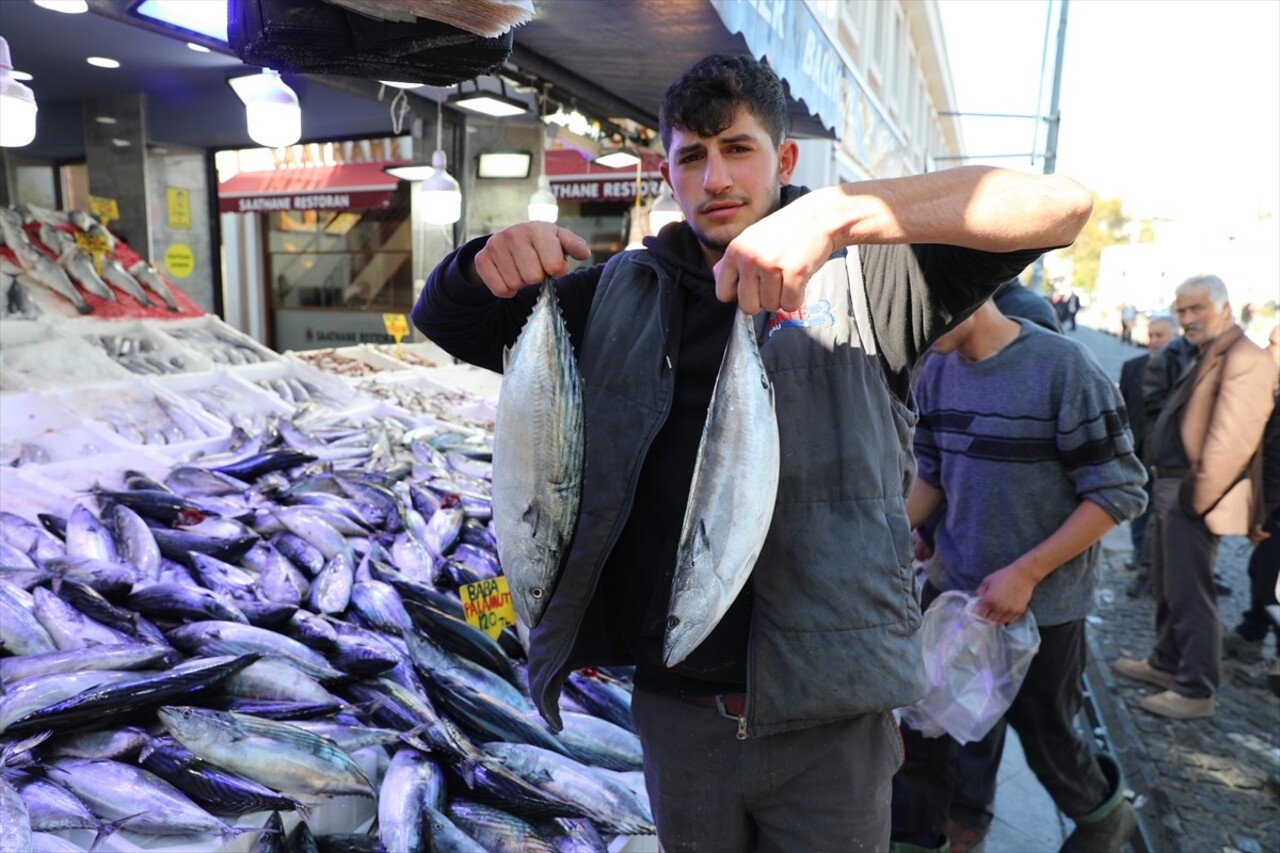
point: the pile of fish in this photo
(222, 651)
(56, 262)
(221, 346)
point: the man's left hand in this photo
(1003, 596)
(766, 267)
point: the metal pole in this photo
(1051, 141)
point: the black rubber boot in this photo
(1108, 827)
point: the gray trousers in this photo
(821, 788)
(1188, 630)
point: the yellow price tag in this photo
(397, 326)
(487, 605)
(95, 245)
(105, 209)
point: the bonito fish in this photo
(537, 457)
(735, 483)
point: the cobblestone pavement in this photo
(1204, 782)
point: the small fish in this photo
(80, 267)
(151, 279)
(117, 276)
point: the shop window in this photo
(342, 259)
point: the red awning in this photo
(575, 178)
(352, 186)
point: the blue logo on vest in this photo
(812, 316)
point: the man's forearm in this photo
(1086, 525)
(923, 502)
(996, 210)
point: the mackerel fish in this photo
(735, 484)
(537, 457)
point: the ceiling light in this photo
(665, 210)
(396, 85)
(272, 113)
(121, 143)
(504, 164)
(441, 195)
(69, 7)
(618, 159)
(489, 103)
(105, 119)
(410, 171)
(198, 48)
(21, 75)
(542, 204)
(102, 62)
(17, 103)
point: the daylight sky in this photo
(1171, 105)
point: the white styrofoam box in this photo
(349, 363)
(79, 477)
(217, 341)
(295, 383)
(57, 360)
(143, 412)
(416, 353)
(26, 493)
(36, 421)
(465, 377)
(15, 332)
(419, 392)
(151, 353)
(224, 395)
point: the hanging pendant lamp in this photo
(441, 195)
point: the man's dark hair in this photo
(705, 99)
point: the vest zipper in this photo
(742, 727)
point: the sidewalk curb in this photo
(1115, 728)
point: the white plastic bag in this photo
(973, 668)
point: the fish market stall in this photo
(231, 607)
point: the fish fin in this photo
(304, 809)
(12, 750)
(506, 357)
(109, 829)
(531, 516)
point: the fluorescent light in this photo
(504, 164)
(102, 62)
(206, 17)
(21, 76)
(105, 120)
(198, 48)
(402, 85)
(410, 171)
(68, 7)
(619, 159)
(121, 143)
(488, 103)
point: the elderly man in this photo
(1205, 450)
(1160, 330)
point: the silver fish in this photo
(115, 274)
(151, 279)
(32, 694)
(15, 821)
(114, 790)
(79, 265)
(46, 273)
(274, 754)
(537, 457)
(55, 240)
(735, 484)
(401, 799)
(21, 633)
(70, 628)
(128, 656)
(52, 807)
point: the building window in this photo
(346, 259)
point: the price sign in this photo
(179, 204)
(487, 605)
(105, 209)
(179, 260)
(397, 326)
(96, 245)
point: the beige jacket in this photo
(1224, 409)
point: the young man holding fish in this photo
(775, 730)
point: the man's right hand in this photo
(525, 254)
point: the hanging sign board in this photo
(179, 204)
(105, 209)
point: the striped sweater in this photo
(1016, 442)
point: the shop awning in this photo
(575, 178)
(351, 186)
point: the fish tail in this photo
(109, 829)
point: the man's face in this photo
(1200, 321)
(729, 181)
(1158, 334)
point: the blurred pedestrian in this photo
(1128, 317)
(1073, 308)
(1014, 299)
(1021, 425)
(1208, 470)
(1160, 330)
